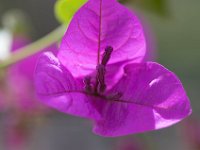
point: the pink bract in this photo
(99, 74)
(101, 23)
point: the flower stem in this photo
(34, 47)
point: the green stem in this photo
(34, 47)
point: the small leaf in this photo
(157, 6)
(160, 7)
(65, 9)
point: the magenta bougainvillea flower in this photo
(18, 100)
(21, 97)
(99, 74)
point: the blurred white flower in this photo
(5, 43)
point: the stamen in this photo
(87, 82)
(100, 85)
(107, 55)
(101, 77)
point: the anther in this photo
(107, 55)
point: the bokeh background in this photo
(176, 33)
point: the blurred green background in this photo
(177, 34)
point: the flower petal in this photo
(57, 88)
(153, 98)
(101, 23)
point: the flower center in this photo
(99, 86)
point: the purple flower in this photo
(17, 88)
(99, 74)
(18, 100)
